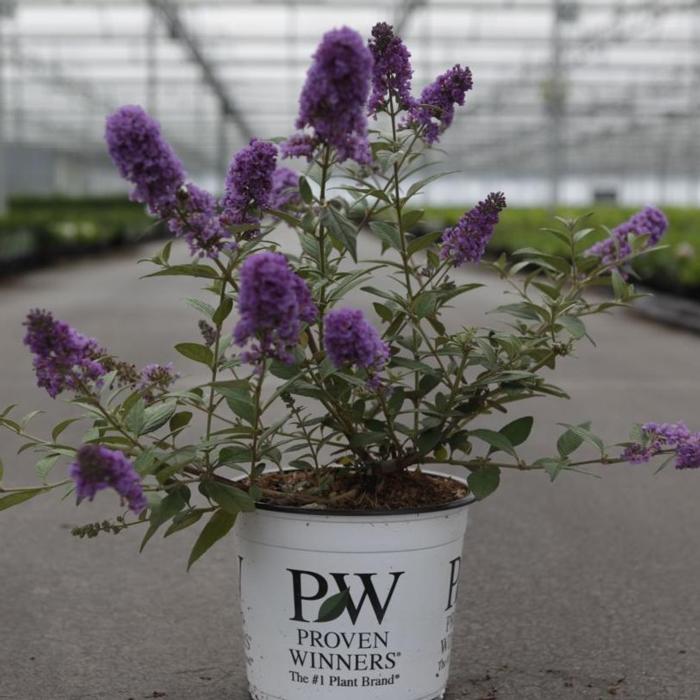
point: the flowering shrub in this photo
(369, 397)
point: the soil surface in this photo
(350, 490)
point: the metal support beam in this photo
(222, 150)
(554, 103)
(152, 65)
(403, 13)
(6, 10)
(179, 31)
(602, 6)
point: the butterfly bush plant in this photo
(339, 403)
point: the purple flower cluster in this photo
(285, 189)
(144, 158)
(466, 242)
(249, 183)
(208, 332)
(273, 303)
(349, 339)
(657, 437)
(63, 358)
(392, 72)
(435, 109)
(199, 223)
(649, 222)
(97, 468)
(156, 379)
(299, 146)
(334, 96)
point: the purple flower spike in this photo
(97, 468)
(349, 339)
(392, 72)
(466, 242)
(249, 183)
(658, 437)
(285, 189)
(273, 303)
(299, 146)
(63, 358)
(650, 221)
(334, 97)
(200, 224)
(436, 108)
(688, 453)
(156, 379)
(144, 158)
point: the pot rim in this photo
(302, 510)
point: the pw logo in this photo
(309, 587)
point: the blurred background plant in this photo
(602, 103)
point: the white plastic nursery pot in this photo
(391, 639)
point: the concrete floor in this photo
(587, 588)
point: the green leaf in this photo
(305, 190)
(146, 462)
(174, 462)
(164, 254)
(619, 285)
(222, 313)
(498, 441)
(427, 383)
(180, 420)
(552, 466)
(524, 310)
(410, 218)
(192, 270)
(136, 417)
(518, 431)
(58, 429)
(231, 499)
(201, 306)
(586, 435)
(573, 325)
(235, 455)
(665, 463)
(441, 454)
(45, 465)
(570, 441)
(18, 497)
(383, 311)
(349, 282)
(183, 520)
(366, 439)
(388, 233)
(428, 440)
(218, 526)
(342, 231)
(157, 416)
(286, 217)
(196, 352)
(418, 186)
(425, 304)
(172, 504)
(423, 242)
(240, 402)
(485, 481)
(334, 606)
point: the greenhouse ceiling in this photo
(562, 87)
